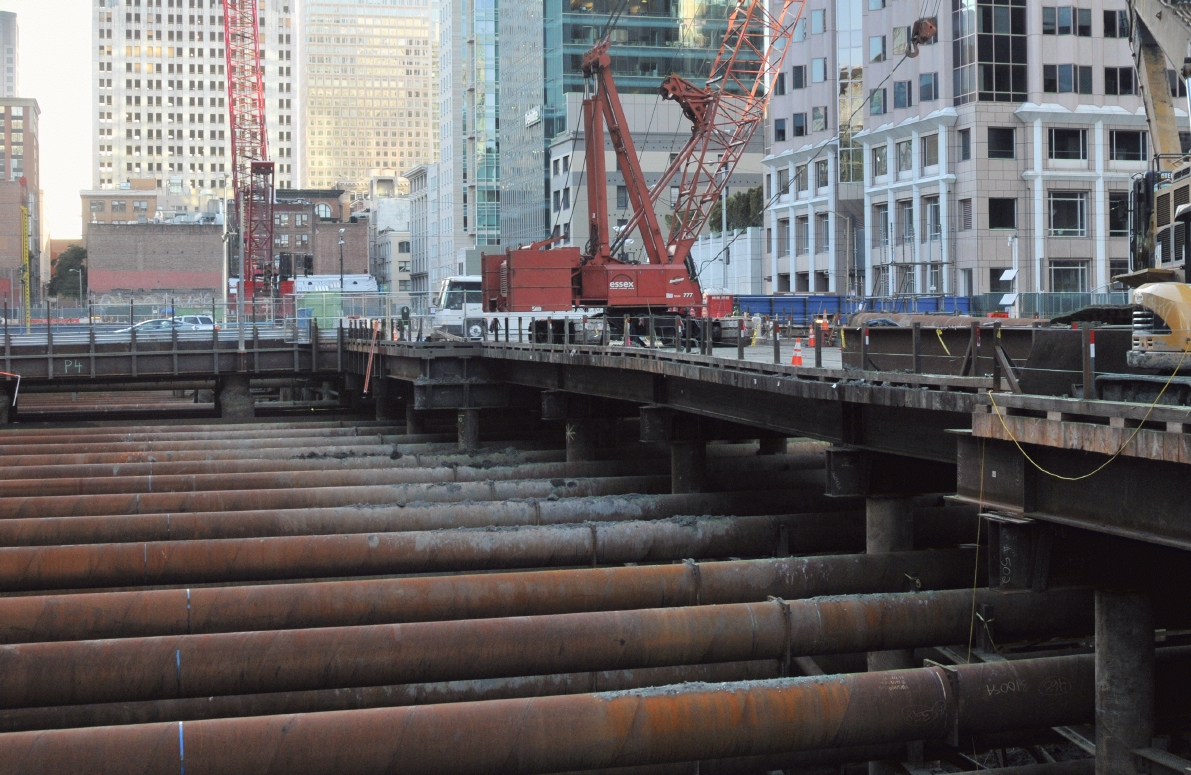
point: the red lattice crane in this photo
(252, 173)
(724, 114)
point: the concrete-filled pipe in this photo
(130, 669)
(382, 601)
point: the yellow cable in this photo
(939, 331)
(1115, 455)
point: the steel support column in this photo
(1124, 680)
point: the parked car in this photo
(196, 323)
(157, 325)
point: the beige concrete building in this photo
(937, 175)
(20, 187)
(369, 93)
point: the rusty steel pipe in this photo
(193, 426)
(830, 759)
(240, 465)
(378, 495)
(131, 669)
(819, 531)
(588, 731)
(85, 437)
(356, 698)
(247, 445)
(287, 480)
(204, 610)
(296, 452)
(298, 557)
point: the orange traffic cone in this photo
(797, 359)
(811, 342)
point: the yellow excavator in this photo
(1160, 201)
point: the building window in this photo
(1066, 20)
(622, 197)
(965, 215)
(990, 61)
(929, 150)
(819, 70)
(403, 285)
(932, 219)
(876, 102)
(905, 156)
(1116, 268)
(1066, 79)
(822, 232)
(821, 176)
(1118, 80)
(97, 206)
(880, 225)
(1000, 142)
(799, 34)
(779, 86)
(903, 94)
(1116, 24)
(783, 181)
(1068, 213)
(880, 160)
(818, 22)
(558, 199)
(965, 144)
(1002, 213)
(801, 179)
(995, 283)
(783, 237)
(802, 239)
(1127, 146)
(119, 205)
(1068, 144)
(819, 119)
(1118, 214)
(905, 220)
(798, 77)
(876, 48)
(928, 87)
(1069, 275)
(798, 125)
(779, 130)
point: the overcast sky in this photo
(56, 71)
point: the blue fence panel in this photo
(801, 309)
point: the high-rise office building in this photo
(369, 90)
(10, 44)
(1007, 144)
(160, 94)
(650, 39)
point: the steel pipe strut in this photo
(356, 698)
(787, 476)
(300, 557)
(384, 601)
(130, 669)
(245, 500)
(587, 731)
(815, 531)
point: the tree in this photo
(745, 209)
(64, 282)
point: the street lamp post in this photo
(341, 243)
(80, 274)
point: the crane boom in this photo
(252, 173)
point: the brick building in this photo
(186, 259)
(306, 228)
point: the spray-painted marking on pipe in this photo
(178, 662)
(188, 611)
(181, 750)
